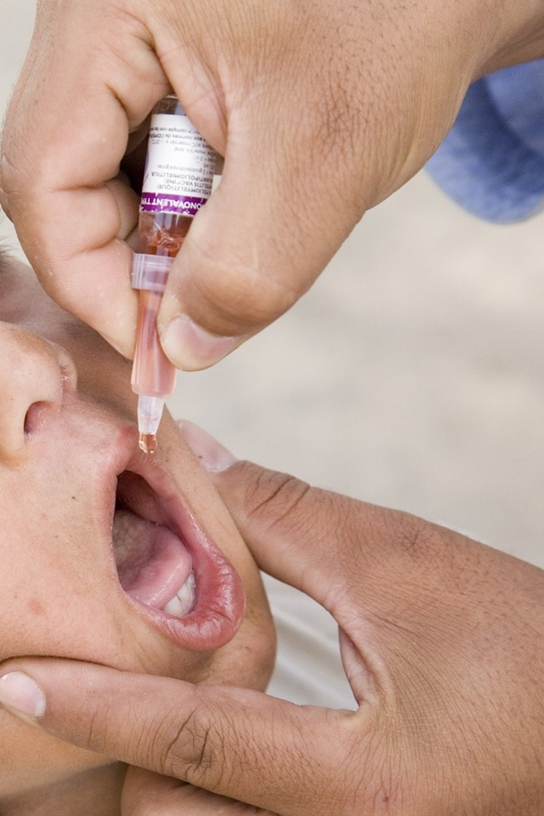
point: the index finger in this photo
(239, 743)
(65, 134)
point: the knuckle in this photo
(274, 498)
(409, 535)
(127, 63)
(195, 749)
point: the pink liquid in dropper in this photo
(152, 373)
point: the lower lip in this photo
(220, 599)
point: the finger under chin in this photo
(147, 792)
(235, 742)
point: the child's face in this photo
(70, 469)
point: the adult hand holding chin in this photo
(441, 640)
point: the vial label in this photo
(179, 169)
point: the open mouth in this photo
(153, 562)
(167, 565)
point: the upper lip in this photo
(220, 601)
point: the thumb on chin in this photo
(294, 531)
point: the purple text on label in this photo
(157, 202)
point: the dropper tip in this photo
(149, 417)
(147, 443)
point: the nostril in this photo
(34, 417)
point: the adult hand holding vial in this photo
(320, 109)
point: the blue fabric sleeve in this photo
(492, 161)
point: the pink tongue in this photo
(154, 578)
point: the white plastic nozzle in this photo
(151, 272)
(149, 414)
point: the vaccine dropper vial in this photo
(177, 182)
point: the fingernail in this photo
(190, 347)
(20, 693)
(213, 456)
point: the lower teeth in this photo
(183, 602)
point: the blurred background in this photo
(412, 375)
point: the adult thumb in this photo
(239, 743)
(257, 246)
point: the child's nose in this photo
(34, 375)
